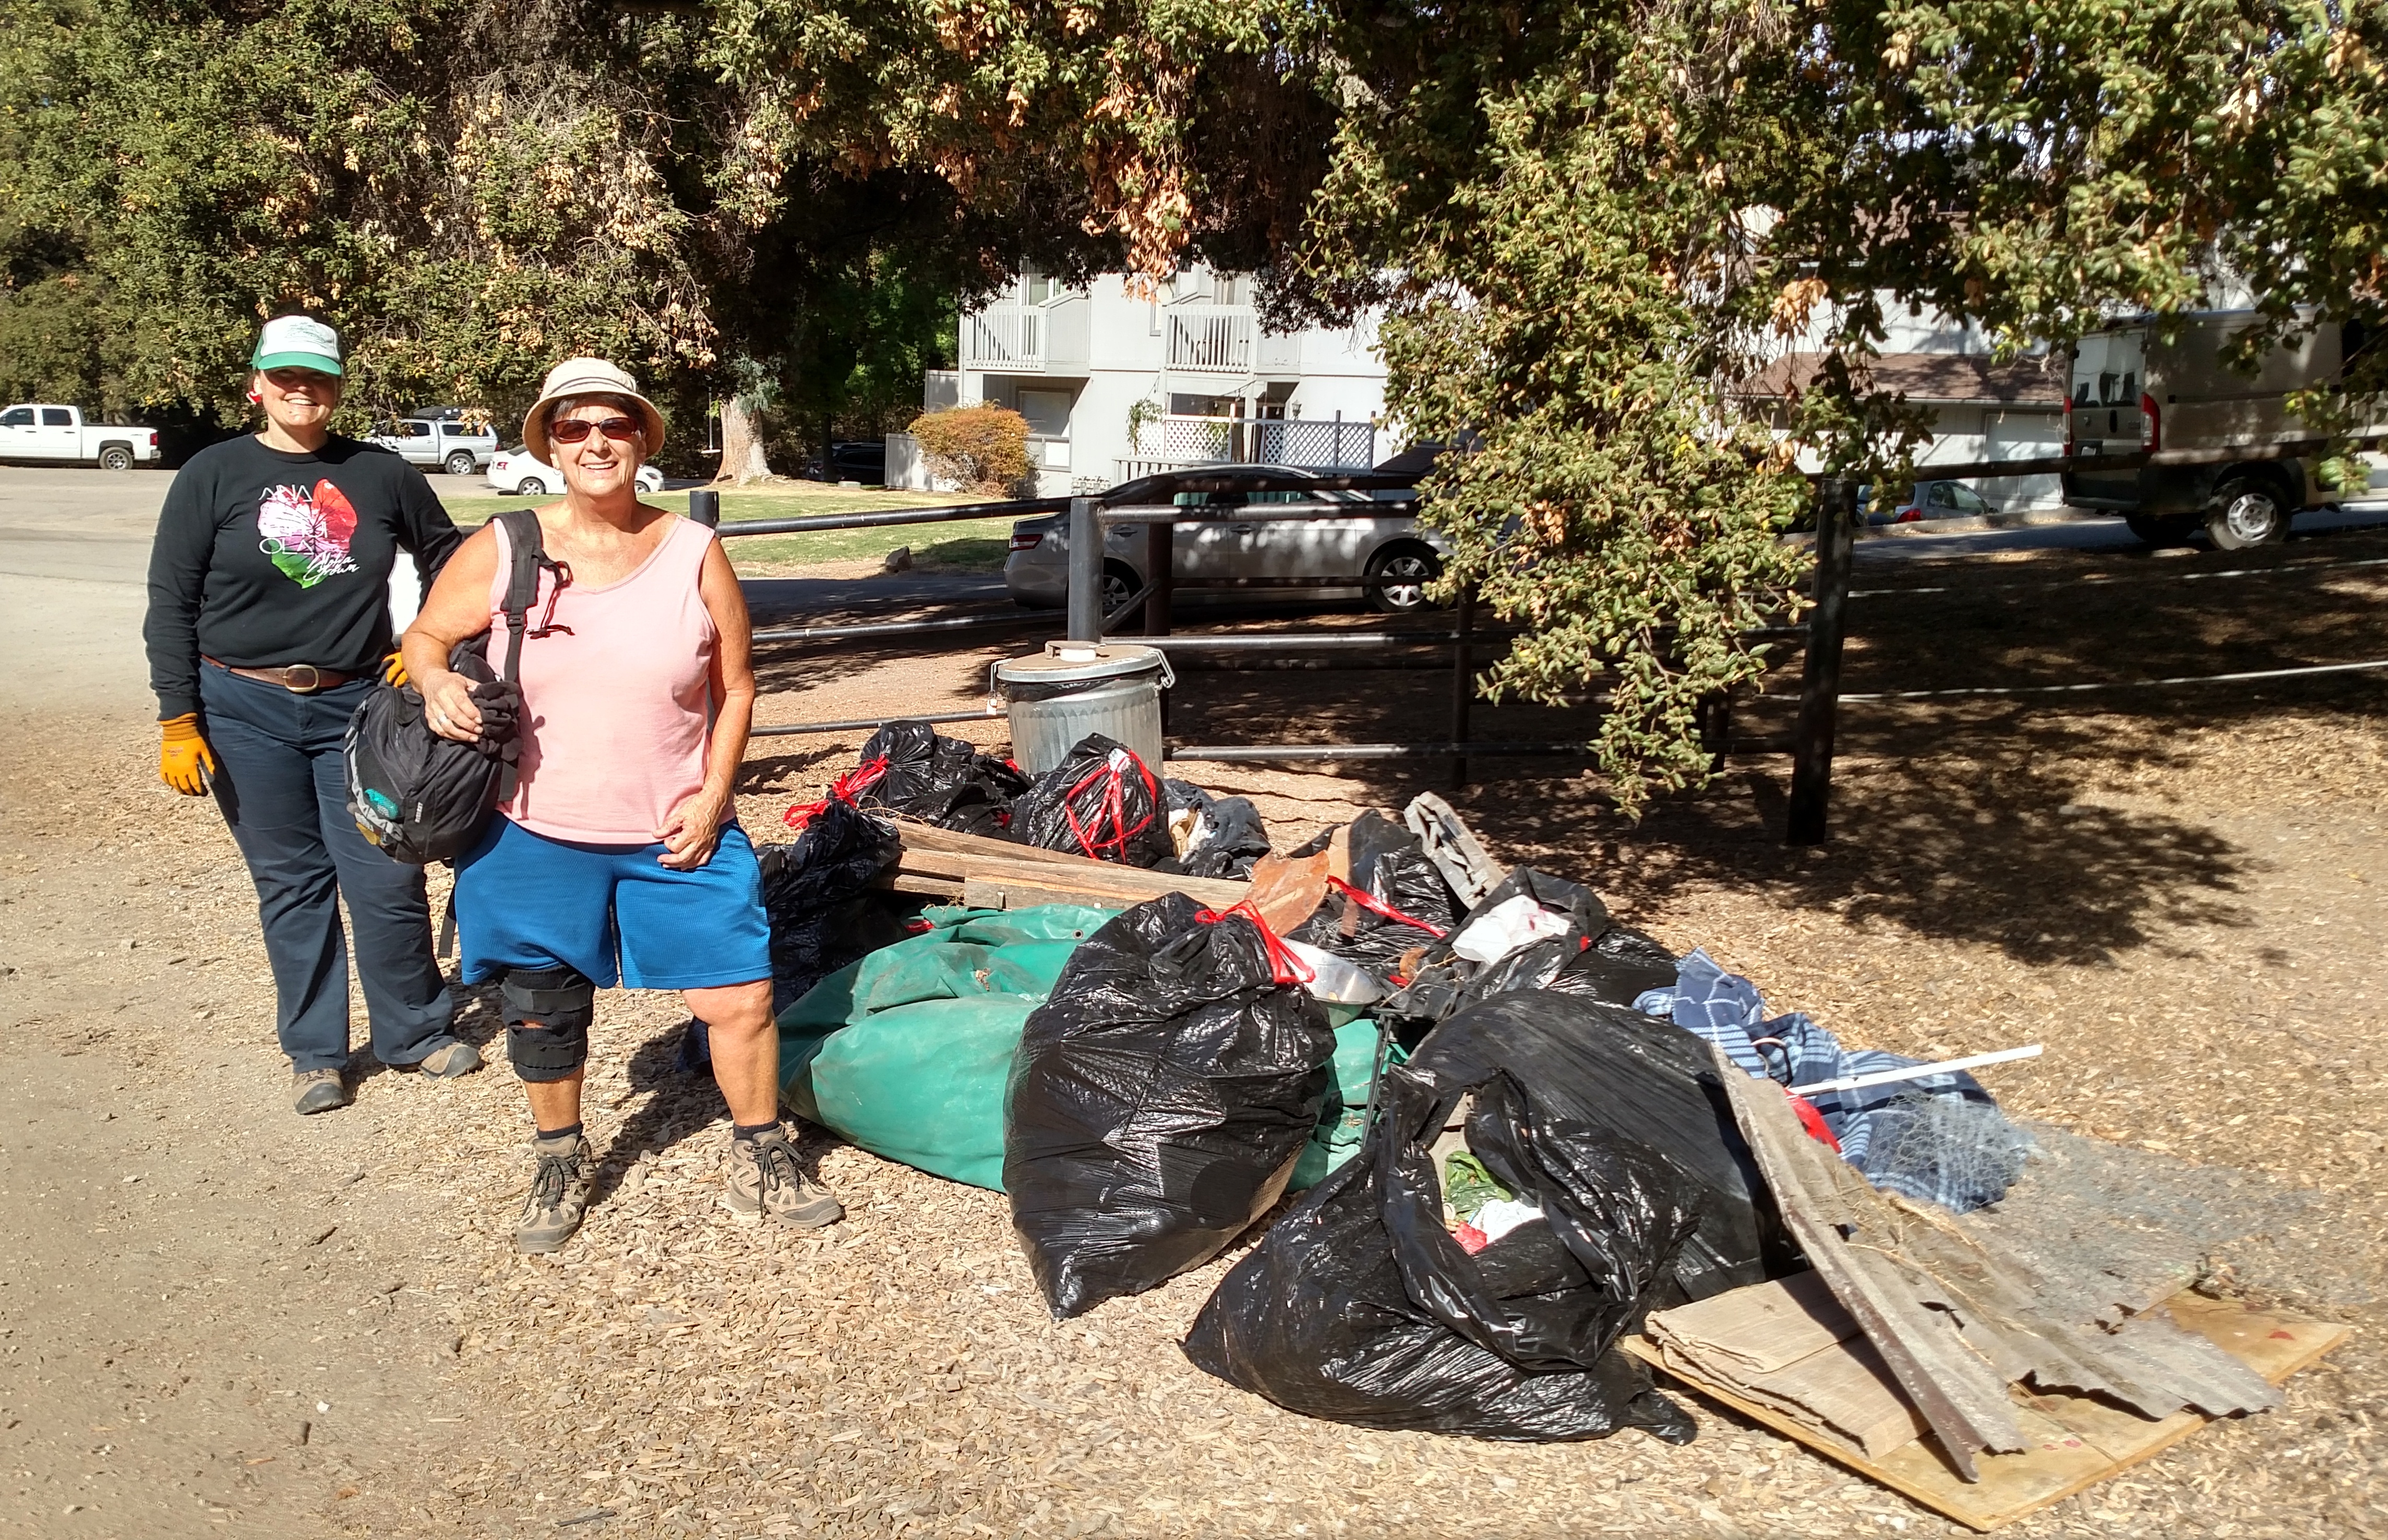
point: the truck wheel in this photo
(116, 457)
(1397, 577)
(2246, 513)
(2155, 531)
(460, 464)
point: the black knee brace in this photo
(548, 1011)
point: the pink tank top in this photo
(616, 708)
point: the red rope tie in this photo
(1284, 966)
(845, 788)
(1377, 906)
(1110, 804)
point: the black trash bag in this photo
(1445, 982)
(909, 767)
(1358, 1306)
(1159, 1101)
(1230, 835)
(1396, 903)
(816, 893)
(1618, 968)
(1647, 1082)
(1099, 801)
(1236, 839)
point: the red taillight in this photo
(2150, 424)
(1025, 542)
(153, 440)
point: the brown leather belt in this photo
(299, 679)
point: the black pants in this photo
(283, 790)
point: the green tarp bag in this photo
(906, 1052)
(1344, 1117)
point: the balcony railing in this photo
(1210, 338)
(1003, 337)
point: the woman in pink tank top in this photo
(618, 859)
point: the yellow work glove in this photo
(184, 758)
(393, 671)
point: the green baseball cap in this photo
(298, 342)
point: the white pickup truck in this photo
(36, 431)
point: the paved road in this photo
(2096, 534)
(74, 565)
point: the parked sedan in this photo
(518, 470)
(1373, 539)
(1929, 499)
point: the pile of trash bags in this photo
(1101, 801)
(1488, 1117)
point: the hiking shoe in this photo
(317, 1090)
(559, 1194)
(446, 1063)
(767, 1180)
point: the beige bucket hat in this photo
(587, 376)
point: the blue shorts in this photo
(614, 911)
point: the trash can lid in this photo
(1063, 662)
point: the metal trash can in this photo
(1070, 689)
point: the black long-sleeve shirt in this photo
(265, 558)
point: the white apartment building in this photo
(1116, 385)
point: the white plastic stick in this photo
(1917, 1071)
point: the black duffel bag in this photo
(416, 796)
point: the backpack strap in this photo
(529, 554)
(527, 551)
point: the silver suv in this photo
(1371, 538)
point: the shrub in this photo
(983, 449)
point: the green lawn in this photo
(972, 545)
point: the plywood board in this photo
(2076, 1443)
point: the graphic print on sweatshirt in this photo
(307, 534)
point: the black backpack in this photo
(421, 798)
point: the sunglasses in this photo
(571, 430)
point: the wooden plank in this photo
(1124, 884)
(1014, 893)
(934, 853)
(916, 835)
(1823, 1200)
(1225, 891)
(2074, 1442)
(933, 887)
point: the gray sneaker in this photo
(448, 1062)
(317, 1090)
(559, 1194)
(767, 1180)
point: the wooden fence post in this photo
(1820, 689)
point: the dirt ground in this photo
(224, 1319)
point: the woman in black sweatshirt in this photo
(268, 615)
